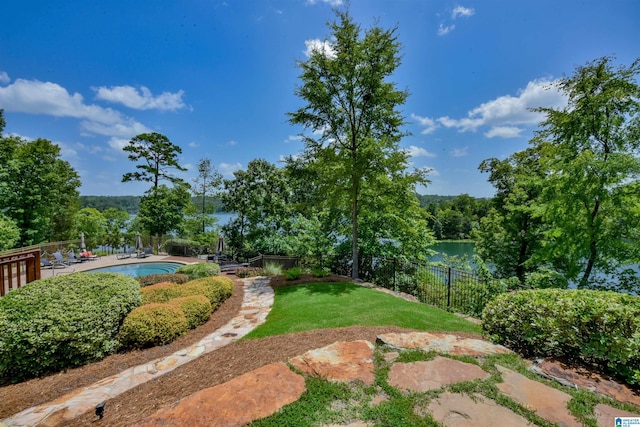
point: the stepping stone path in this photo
(264, 391)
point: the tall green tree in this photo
(38, 190)
(259, 197)
(92, 223)
(115, 222)
(511, 232)
(206, 184)
(354, 111)
(162, 210)
(159, 157)
(9, 233)
(589, 152)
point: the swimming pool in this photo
(140, 269)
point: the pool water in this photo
(140, 269)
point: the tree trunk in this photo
(593, 248)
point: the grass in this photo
(334, 305)
(331, 305)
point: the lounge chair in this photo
(125, 254)
(147, 252)
(88, 256)
(45, 263)
(71, 257)
(59, 259)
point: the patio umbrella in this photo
(220, 246)
(139, 246)
(83, 246)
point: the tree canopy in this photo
(352, 110)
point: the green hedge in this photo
(202, 269)
(594, 326)
(217, 289)
(160, 292)
(62, 322)
(153, 324)
(152, 279)
(196, 308)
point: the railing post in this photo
(448, 286)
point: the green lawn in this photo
(333, 305)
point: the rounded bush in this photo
(152, 279)
(202, 269)
(160, 292)
(217, 289)
(196, 308)
(151, 325)
(62, 322)
(598, 327)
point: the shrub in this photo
(594, 326)
(293, 273)
(321, 272)
(151, 325)
(152, 279)
(216, 289)
(160, 292)
(243, 272)
(196, 308)
(62, 322)
(272, 269)
(196, 271)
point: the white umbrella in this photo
(83, 246)
(220, 246)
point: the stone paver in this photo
(433, 374)
(256, 394)
(340, 361)
(460, 410)
(257, 302)
(549, 403)
(442, 343)
(606, 415)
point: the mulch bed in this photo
(208, 370)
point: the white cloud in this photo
(442, 30)
(429, 124)
(233, 142)
(462, 11)
(4, 77)
(503, 132)
(227, 169)
(193, 144)
(459, 152)
(36, 97)
(293, 138)
(323, 47)
(117, 144)
(414, 151)
(432, 171)
(506, 113)
(141, 99)
(332, 3)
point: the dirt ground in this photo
(208, 370)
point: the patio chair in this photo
(59, 259)
(71, 257)
(147, 252)
(126, 254)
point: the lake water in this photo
(462, 250)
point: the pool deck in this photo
(110, 260)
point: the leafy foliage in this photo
(196, 308)
(595, 326)
(198, 270)
(62, 322)
(153, 279)
(293, 273)
(151, 325)
(355, 163)
(39, 191)
(161, 211)
(9, 233)
(161, 292)
(159, 156)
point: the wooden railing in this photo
(18, 269)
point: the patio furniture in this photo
(126, 254)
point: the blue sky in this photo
(218, 77)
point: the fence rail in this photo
(18, 269)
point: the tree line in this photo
(566, 209)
